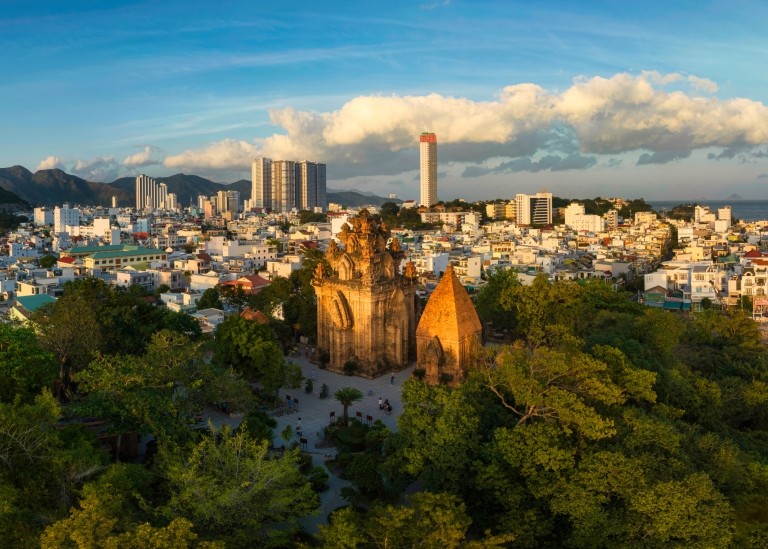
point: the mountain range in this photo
(56, 187)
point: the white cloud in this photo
(223, 155)
(50, 163)
(626, 112)
(703, 84)
(99, 168)
(142, 158)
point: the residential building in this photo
(311, 185)
(43, 217)
(534, 209)
(283, 185)
(261, 183)
(65, 217)
(128, 256)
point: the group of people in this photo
(385, 405)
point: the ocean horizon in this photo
(746, 210)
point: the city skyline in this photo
(660, 101)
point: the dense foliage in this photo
(602, 424)
(124, 366)
(605, 424)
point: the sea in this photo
(746, 210)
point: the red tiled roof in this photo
(256, 316)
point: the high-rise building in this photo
(261, 183)
(161, 200)
(428, 150)
(534, 209)
(150, 194)
(145, 190)
(281, 185)
(310, 185)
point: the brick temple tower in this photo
(365, 308)
(449, 332)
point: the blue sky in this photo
(664, 100)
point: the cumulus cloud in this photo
(703, 84)
(99, 168)
(50, 163)
(223, 155)
(145, 157)
(663, 115)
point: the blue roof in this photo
(34, 302)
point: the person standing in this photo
(298, 427)
(381, 404)
(392, 379)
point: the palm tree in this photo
(347, 395)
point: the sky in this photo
(661, 100)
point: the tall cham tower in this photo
(365, 308)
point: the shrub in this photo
(305, 463)
(419, 373)
(309, 386)
(446, 379)
(351, 366)
(324, 390)
(318, 478)
(352, 437)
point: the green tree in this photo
(231, 489)
(41, 467)
(69, 328)
(438, 435)
(346, 396)
(488, 299)
(158, 392)
(235, 297)
(542, 310)
(431, 521)
(47, 261)
(251, 349)
(306, 216)
(25, 367)
(113, 513)
(210, 300)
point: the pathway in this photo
(315, 414)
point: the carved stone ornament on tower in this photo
(365, 308)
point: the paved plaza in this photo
(315, 415)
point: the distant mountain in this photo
(355, 199)
(52, 187)
(49, 187)
(7, 198)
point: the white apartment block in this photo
(64, 217)
(534, 209)
(43, 217)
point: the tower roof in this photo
(450, 312)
